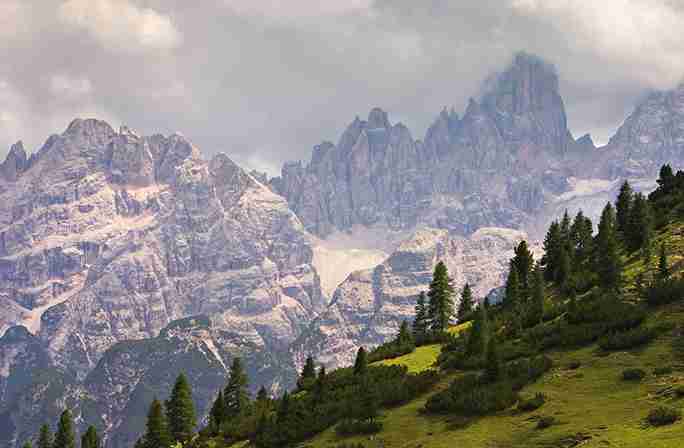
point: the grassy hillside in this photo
(593, 406)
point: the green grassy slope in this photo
(593, 406)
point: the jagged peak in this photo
(89, 126)
(586, 139)
(377, 118)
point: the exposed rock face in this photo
(485, 169)
(109, 236)
(369, 306)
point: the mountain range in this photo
(125, 259)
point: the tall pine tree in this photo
(553, 245)
(361, 362)
(90, 439)
(180, 411)
(663, 267)
(65, 436)
(523, 262)
(157, 431)
(607, 260)
(441, 305)
(420, 321)
(512, 294)
(638, 229)
(477, 336)
(623, 207)
(45, 437)
(536, 308)
(217, 415)
(404, 337)
(308, 372)
(465, 307)
(236, 393)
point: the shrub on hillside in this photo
(545, 421)
(626, 339)
(665, 291)
(666, 370)
(633, 374)
(663, 415)
(533, 403)
(350, 427)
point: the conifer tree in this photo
(283, 412)
(666, 180)
(361, 362)
(157, 431)
(582, 235)
(663, 268)
(465, 307)
(90, 439)
(623, 207)
(235, 393)
(321, 386)
(638, 229)
(565, 228)
(512, 296)
(308, 372)
(45, 437)
(262, 395)
(564, 269)
(180, 411)
(65, 437)
(536, 309)
(404, 337)
(492, 362)
(477, 337)
(217, 415)
(367, 403)
(553, 244)
(420, 321)
(523, 262)
(441, 305)
(607, 262)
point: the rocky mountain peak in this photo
(15, 163)
(377, 118)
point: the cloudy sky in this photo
(265, 80)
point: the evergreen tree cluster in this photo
(65, 437)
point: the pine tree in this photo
(361, 362)
(623, 207)
(420, 323)
(157, 431)
(465, 307)
(236, 394)
(638, 229)
(666, 180)
(553, 244)
(536, 308)
(262, 395)
(477, 337)
(45, 437)
(404, 337)
(367, 403)
(308, 372)
(565, 228)
(564, 269)
(321, 387)
(492, 362)
(523, 262)
(663, 268)
(512, 296)
(217, 415)
(90, 439)
(607, 262)
(65, 437)
(180, 411)
(582, 235)
(441, 305)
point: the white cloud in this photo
(646, 34)
(70, 88)
(297, 10)
(121, 24)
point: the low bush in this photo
(574, 365)
(665, 291)
(545, 421)
(626, 339)
(633, 374)
(663, 415)
(352, 427)
(666, 370)
(390, 350)
(533, 403)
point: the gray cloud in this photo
(264, 81)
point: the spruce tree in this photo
(623, 207)
(45, 437)
(361, 362)
(607, 262)
(564, 271)
(663, 267)
(262, 395)
(492, 362)
(441, 305)
(236, 393)
(157, 431)
(180, 411)
(523, 262)
(553, 244)
(536, 308)
(321, 387)
(65, 437)
(477, 336)
(512, 296)
(90, 439)
(637, 234)
(565, 230)
(217, 415)
(465, 307)
(582, 232)
(308, 372)
(666, 180)
(404, 337)
(367, 402)
(420, 321)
